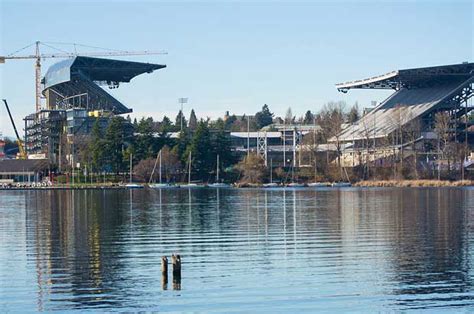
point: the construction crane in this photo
(21, 149)
(64, 54)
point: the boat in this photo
(190, 184)
(132, 185)
(218, 184)
(319, 184)
(270, 185)
(296, 185)
(341, 184)
(159, 185)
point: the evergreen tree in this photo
(178, 121)
(201, 148)
(229, 122)
(289, 118)
(263, 117)
(221, 144)
(96, 147)
(193, 123)
(353, 115)
(308, 118)
(143, 147)
(181, 148)
(114, 143)
(166, 125)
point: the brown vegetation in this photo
(414, 183)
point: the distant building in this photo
(17, 170)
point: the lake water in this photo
(243, 250)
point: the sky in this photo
(237, 55)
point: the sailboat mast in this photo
(160, 165)
(131, 168)
(271, 170)
(189, 172)
(217, 180)
(154, 167)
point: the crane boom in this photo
(18, 139)
(84, 54)
(38, 56)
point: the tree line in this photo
(110, 149)
(202, 140)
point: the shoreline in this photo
(359, 184)
(414, 183)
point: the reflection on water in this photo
(301, 249)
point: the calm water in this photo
(243, 250)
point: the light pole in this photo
(181, 102)
(248, 136)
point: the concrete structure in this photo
(75, 99)
(2, 147)
(419, 94)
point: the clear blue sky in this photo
(237, 56)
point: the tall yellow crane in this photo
(38, 56)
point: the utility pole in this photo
(248, 136)
(284, 145)
(294, 147)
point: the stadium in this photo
(406, 122)
(75, 99)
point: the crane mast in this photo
(38, 78)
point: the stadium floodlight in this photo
(182, 101)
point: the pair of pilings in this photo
(176, 262)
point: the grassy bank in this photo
(414, 183)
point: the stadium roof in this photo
(81, 75)
(417, 77)
(97, 69)
(419, 92)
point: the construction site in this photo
(69, 99)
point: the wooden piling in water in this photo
(176, 262)
(164, 272)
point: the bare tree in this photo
(442, 121)
(331, 120)
(367, 134)
(399, 117)
(171, 164)
(144, 168)
(412, 132)
(252, 168)
(312, 140)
